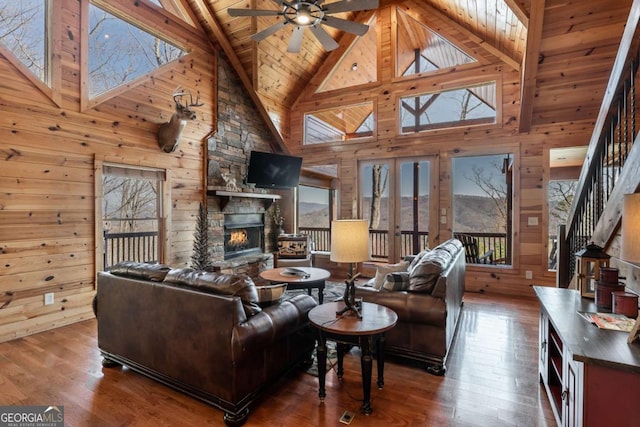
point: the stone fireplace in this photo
(243, 234)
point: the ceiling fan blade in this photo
(268, 31)
(296, 40)
(344, 25)
(350, 5)
(324, 38)
(253, 12)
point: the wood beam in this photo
(530, 65)
(220, 40)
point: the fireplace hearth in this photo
(243, 234)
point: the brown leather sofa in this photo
(202, 333)
(428, 300)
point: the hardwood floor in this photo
(491, 380)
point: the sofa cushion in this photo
(452, 246)
(424, 275)
(218, 283)
(415, 260)
(140, 270)
(396, 281)
(383, 270)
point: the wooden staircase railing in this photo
(612, 162)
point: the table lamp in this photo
(350, 244)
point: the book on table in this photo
(611, 321)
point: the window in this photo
(339, 124)
(459, 107)
(482, 207)
(131, 213)
(315, 215)
(23, 30)
(561, 193)
(120, 52)
(420, 50)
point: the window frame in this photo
(50, 87)
(452, 124)
(144, 16)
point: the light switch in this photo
(443, 219)
(533, 220)
(443, 211)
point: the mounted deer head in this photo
(170, 132)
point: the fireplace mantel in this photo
(226, 196)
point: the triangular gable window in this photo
(120, 52)
(358, 65)
(421, 50)
(23, 31)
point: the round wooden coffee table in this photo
(314, 278)
(348, 329)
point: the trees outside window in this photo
(560, 199)
(482, 202)
(23, 31)
(458, 107)
(131, 213)
(120, 52)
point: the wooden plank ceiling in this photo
(565, 70)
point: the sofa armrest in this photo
(272, 324)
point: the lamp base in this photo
(350, 297)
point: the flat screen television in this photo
(270, 170)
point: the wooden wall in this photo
(531, 151)
(47, 156)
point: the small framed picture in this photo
(635, 331)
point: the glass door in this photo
(394, 198)
(375, 196)
(412, 226)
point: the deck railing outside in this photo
(379, 241)
(140, 246)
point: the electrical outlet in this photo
(347, 417)
(532, 221)
(528, 274)
(48, 298)
(443, 219)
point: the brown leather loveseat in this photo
(427, 298)
(202, 333)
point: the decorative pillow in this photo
(383, 270)
(140, 270)
(218, 283)
(416, 259)
(397, 281)
(270, 294)
(423, 277)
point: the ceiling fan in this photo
(310, 14)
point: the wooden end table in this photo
(315, 279)
(347, 329)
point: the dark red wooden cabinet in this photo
(591, 375)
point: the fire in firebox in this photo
(238, 239)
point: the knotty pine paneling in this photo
(47, 157)
(530, 242)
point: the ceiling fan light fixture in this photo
(311, 14)
(303, 17)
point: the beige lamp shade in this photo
(350, 240)
(630, 250)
